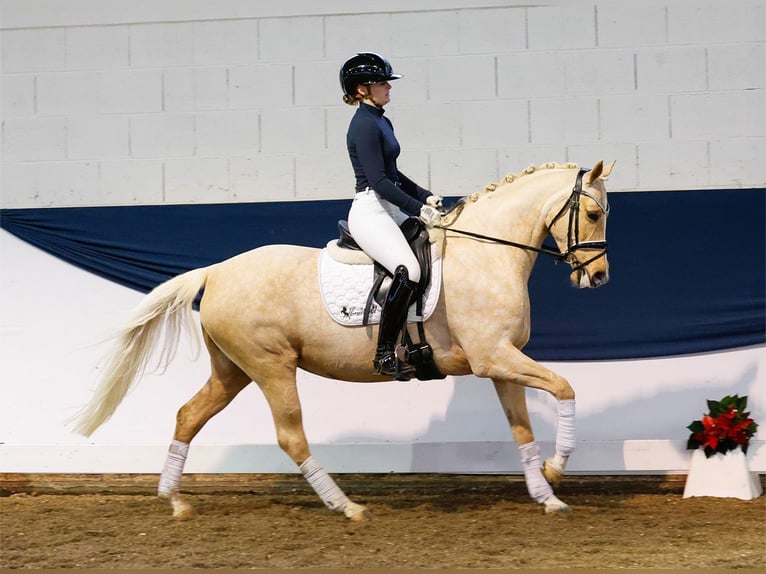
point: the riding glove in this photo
(430, 216)
(434, 201)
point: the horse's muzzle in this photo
(584, 280)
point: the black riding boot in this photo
(392, 317)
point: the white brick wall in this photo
(162, 135)
(34, 138)
(98, 137)
(130, 181)
(569, 26)
(564, 120)
(145, 103)
(260, 86)
(632, 24)
(494, 124)
(98, 47)
(633, 118)
(229, 133)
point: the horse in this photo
(262, 318)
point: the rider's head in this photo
(362, 71)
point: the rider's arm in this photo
(413, 188)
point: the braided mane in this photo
(509, 179)
(512, 177)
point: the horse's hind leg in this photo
(281, 392)
(225, 382)
(513, 399)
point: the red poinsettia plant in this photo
(726, 427)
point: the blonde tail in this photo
(168, 307)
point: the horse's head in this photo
(573, 213)
(579, 227)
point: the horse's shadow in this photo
(425, 480)
(474, 408)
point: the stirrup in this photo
(389, 362)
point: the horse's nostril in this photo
(599, 278)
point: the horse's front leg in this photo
(510, 383)
(512, 398)
(554, 467)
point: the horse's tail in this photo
(167, 308)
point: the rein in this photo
(573, 232)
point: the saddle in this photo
(419, 354)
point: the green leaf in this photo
(741, 403)
(696, 427)
(692, 444)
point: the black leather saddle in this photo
(416, 234)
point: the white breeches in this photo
(374, 223)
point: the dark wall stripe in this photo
(688, 268)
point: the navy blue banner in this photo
(688, 269)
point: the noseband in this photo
(574, 244)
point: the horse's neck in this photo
(516, 211)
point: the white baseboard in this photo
(591, 457)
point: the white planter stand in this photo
(722, 475)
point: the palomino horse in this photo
(262, 317)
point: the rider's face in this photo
(378, 94)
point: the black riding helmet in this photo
(365, 68)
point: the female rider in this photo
(384, 197)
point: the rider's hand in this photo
(434, 201)
(430, 216)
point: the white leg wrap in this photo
(324, 485)
(538, 487)
(170, 479)
(565, 433)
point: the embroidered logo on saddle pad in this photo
(345, 289)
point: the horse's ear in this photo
(594, 173)
(608, 169)
(599, 171)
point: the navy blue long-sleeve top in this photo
(373, 150)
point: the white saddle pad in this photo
(345, 289)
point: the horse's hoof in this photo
(185, 513)
(553, 475)
(182, 510)
(357, 513)
(553, 505)
(361, 516)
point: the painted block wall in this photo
(199, 102)
(188, 101)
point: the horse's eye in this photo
(593, 216)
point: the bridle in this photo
(572, 205)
